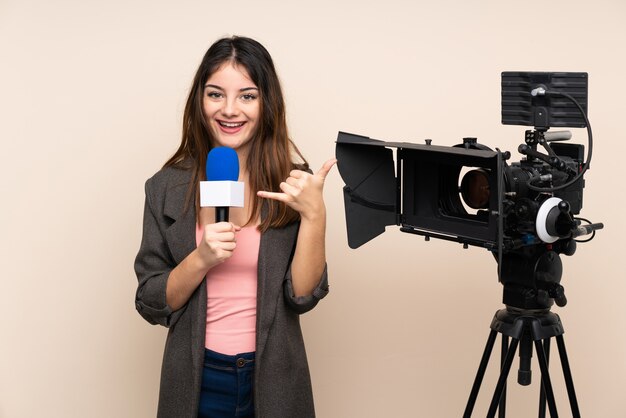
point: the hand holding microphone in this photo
(221, 190)
(218, 243)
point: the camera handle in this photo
(544, 138)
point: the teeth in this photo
(231, 124)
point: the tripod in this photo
(524, 327)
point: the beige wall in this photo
(91, 96)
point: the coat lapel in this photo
(181, 234)
(275, 254)
(181, 241)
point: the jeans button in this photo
(241, 362)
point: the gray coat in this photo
(282, 385)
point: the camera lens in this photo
(475, 189)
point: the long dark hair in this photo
(271, 151)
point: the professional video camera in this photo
(524, 212)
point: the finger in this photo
(223, 246)
(228, 246)
(217, 248)
(292, 181)
(231, 226)
(297, 174)
(289, 189)
(222, 227)
(282, 197)
(225, 237)
(217, 240)
(323, 172)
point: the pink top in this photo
(231, 291)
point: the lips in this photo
(230, 127)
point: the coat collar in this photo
(180, 235)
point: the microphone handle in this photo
(221, 214)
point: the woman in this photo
(231, 292)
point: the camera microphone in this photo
(586, 229)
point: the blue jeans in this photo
(227, 385)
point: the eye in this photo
(248, 97)
(214, 94)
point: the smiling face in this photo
(231, 107)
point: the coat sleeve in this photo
(153, 265)
(303, 304)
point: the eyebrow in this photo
(220, 88)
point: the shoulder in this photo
(169, 177)
(166, 191)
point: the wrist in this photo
(315, 216)
(199, 262)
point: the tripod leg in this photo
(524, 374)
(504, 373)
(504, 350)
(545, 378)
(542, 393)
(567, 373)
(480, 374)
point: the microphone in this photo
(221, 190)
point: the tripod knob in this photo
(558, 293)
(569, 247)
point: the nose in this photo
(230, 107)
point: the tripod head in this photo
(531, 278)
